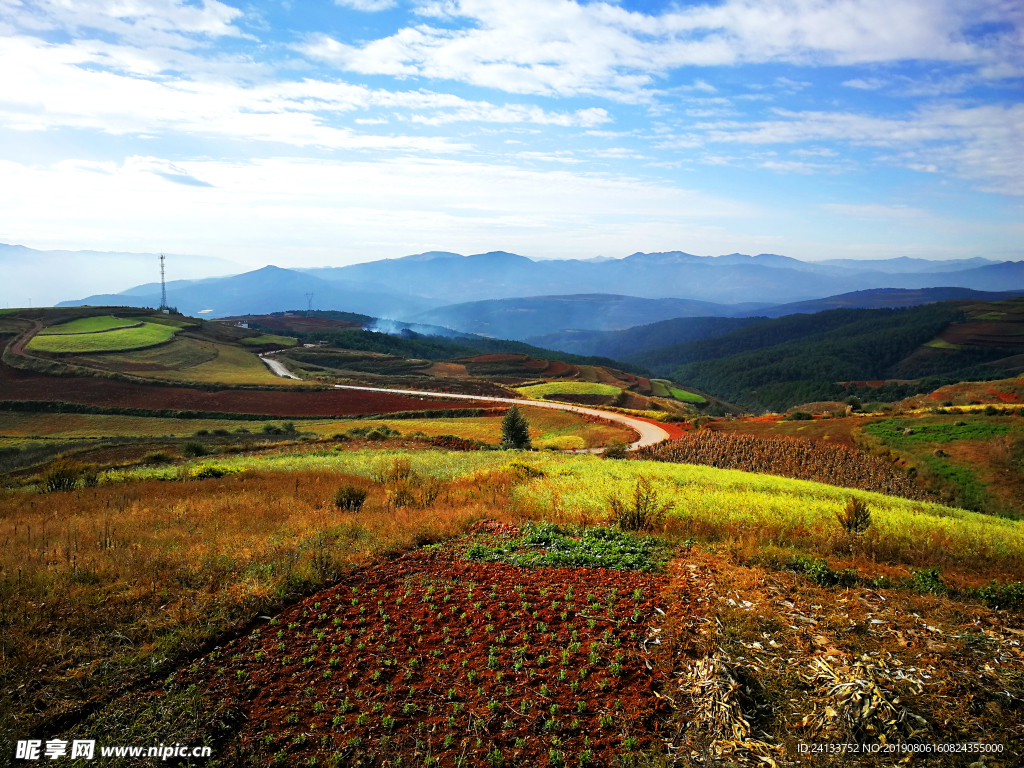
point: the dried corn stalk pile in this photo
(718, 710)
(855, 701)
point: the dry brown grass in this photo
(781, 631)
(102, 586)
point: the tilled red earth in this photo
(444, 662)
(16, 384)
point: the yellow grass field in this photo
(205, 362)
(548, 427)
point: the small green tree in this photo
(515, 431)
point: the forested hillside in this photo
(802, 358)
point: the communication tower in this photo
(309, 301)
(163, 284)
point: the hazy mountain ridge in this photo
(266, 290)
(729, 279)
(521, 318)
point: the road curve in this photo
(650, 433)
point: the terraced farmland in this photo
(568, 388)
(90, 325)
(116, 340)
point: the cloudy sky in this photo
(312, 132)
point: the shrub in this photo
(525, 471)
(928, 581)
(221, 432)
(617, 451)
(854, 402)
(1004, 596)
(157, 457)
(800, 416)
(202, 432)
(350, 498)
(270, 429)
(856, 518)
(515, 430)
(207, 471)
(193, 449)
(643, 512)
(61, 476)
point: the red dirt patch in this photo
(430, 656)
(500, 357)
(16, 384)
(556, 368)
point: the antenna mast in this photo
(309, 301)
(163, 284)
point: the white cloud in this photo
(49, 85)
(369, 6)
(791, 166)
(170, 23)
(981, 144)
(563, 47)
(865, 83)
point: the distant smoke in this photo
(409, 330)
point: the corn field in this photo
(798, 459)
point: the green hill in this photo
(775, 364)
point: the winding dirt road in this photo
(650, 433)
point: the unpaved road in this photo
(278, 368)
(650, 434)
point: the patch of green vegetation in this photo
(942, 344)
(925, 581)
(892, 432)
(269, 338)
(659, 388)
(568, 388)
(545, 545)
(146, 335)
(686, 397)
(970, 493)
(89, 325)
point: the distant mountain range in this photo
(510, 296)
(730, 279)
(43, 278)
(270, 289)
(533, 316)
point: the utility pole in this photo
(163, 284)
(309, 301)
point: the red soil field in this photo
(428, 656)
(558, 368)
(16, 384)
(500, 357)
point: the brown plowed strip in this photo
(16, 384)
(430, 655)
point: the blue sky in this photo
(325, 133)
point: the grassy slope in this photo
(196, 360)
(715, 502)
(269, 338)
(148, 334)
(90, 325)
